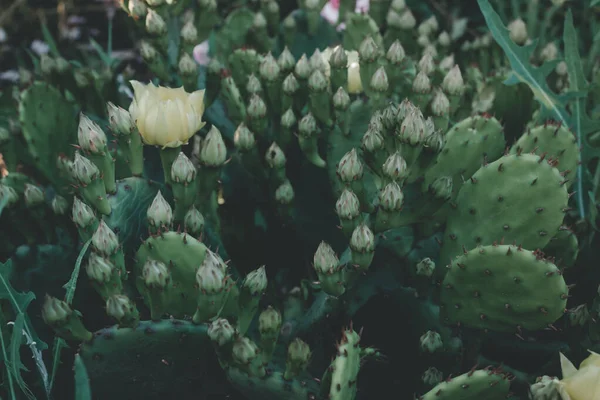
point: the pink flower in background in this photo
(201, 53)
(331, 10)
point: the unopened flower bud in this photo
(325, 260)
(453, 83)
(288, 119)
(34, 196)
(155, 274)
(243, 138)
(160, 213)
(395, 167)
(290, 85)
(317, 62)
(47, 64)
(407, 20)
(447, 63)
(362, 239)
(155, 24)
(421, 84)
(425, 267)
(59, 205)
(299, 354)
(286, 61)
(549, 52)
(354, 80)
(253, 86)
(81, 79)
(62, 65)
(91, 137)
(55, 312)
(220, 331)
(444, 39)
(413, 130)
(431, 342)
(284, 194)
(120, 306)
(260, 22)
(518, 31)
(441, 188)
(432, 376)
(187, 65)
(348, 206)
(394, 19)
(350, 167)
(137, 8)
(193, 222)
(189, 33)
(405, 108)
(269, 321)
(395, 54)
(83, 215)
(275, 157)
(269, 69)
(99, 269)
(155, 3)
(368, 50)
(307, 125)
(434, 142)
(303, 69)
(372, 140)
(148, 52)
(210, 278)
(119, 119)
(317, 81)
(391, 197)
(426, 64)
(256, 281)
(440, 105)
(379, 80)
(341, 99)
(244, 350)
(182, 169)
(338, 58)
(213, 152)
(257, 108)
(104, 240)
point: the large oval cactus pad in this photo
(475, 385)
(503, 288)
(519, 199)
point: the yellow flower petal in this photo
(584, 385)
(592, 360)
(567, 367)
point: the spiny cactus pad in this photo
(518, 198)
(474, 385)
(182, 254)
(468, 144)
(502, 288)
(164, 359)
(345, 367)
(49, 127)
(563, 247)
(554, 140)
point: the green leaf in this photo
(82, 380)
(70, 287)
(106, 59)
(50, 41)
(15, 355)
(522, 70)
(581, 124)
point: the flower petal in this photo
(567, 367)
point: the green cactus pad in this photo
(182, 254)
(518, 198)
(164, 359)
(502, 288)
(469, 144)
(272, 387)
(129, 205)
(474, 385)
(345, 367)
(49, 126)
(556, 142)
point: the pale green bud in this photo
(290, 85)
(55, 311)
(431, 342)
(155, 24)
(182, 169)
(99, 269)
(244, 350)
(284, 194)
(243, 138)
(160, 213)
(269, 69)
(302, 68)
(34, 196)
(269, 321)
(395, 54)
(391, 197)
(518, 31)
(395, 167)
(214, 151)
(350, 168)
(155, 274)
(275, 157)
(257, 108)
(187, 65)
(91, 137)
(325, 260)
(104, 240)
(256, 281)
(220, 331)
(341, 99)
(193, 222)
(210, 279)
(189, 33)
(59, 205)
(307, 125)
(286, 61)
(253, 86)
(83, 215)
(368, 50)
(137, 8)
(425, 267)
(348, 206)
(288, 119)
(119, 119)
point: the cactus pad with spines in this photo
(182, 254)
(468, 145)
(49, 127)
(555, 141)
(503, 288)
(518, 198)
(159, 359)
(563, 247)
(345, 367)
(474, 385)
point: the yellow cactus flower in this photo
(582, 383)
(166, 117)
(354, 82)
